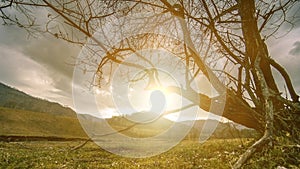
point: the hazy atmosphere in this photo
(150, 84)
(43, 65)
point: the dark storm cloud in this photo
(296, 49)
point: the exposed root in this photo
(251, 150)
(81, 145)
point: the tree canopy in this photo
(225, 41)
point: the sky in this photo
(43, 66)
(40, 66)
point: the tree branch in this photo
(286, 78)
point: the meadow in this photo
(215, 153)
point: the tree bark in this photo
(254, 43)
(235, 109)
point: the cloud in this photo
(294, 13)
(27, 63)
(13, 36)
(57, 57)
(19, 71)
(285, 50)
(41, 57)
(296, 50)
(41, 66)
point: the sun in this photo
(153, 94)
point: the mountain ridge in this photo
(25, 115)
(22, 114)
(16, 99)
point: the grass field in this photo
(188, 154)
(217, 153)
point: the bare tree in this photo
(229, 33)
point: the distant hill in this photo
(121, 123)
(216, 129)
(220, 130)
(24, 115)
(15, 99)
(29, 123)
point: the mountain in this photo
(125, 126)
(217, 129)
(24, 115)
(211, 128)
(15, 99)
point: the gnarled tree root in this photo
(251, 150)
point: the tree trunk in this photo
(235, 109)
(254, 45)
